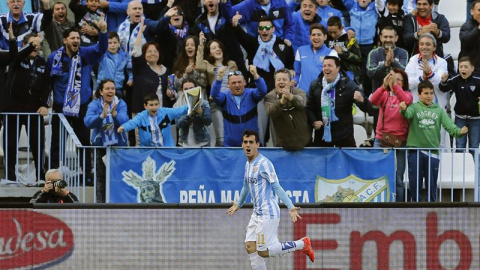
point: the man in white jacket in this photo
(426, 65)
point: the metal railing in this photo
(456, 175)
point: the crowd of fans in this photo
(288, 69)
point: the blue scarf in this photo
(109, 131)
(328, 107)
(265, 55)
(71, 101)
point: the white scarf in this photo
(127, 39)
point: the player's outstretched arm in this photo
(294, 216)
(234, 208)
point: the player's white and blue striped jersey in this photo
(260, 175)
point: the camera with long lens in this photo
(60, 184)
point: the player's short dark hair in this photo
(67, 32)
(150, 97)
(466, 59)
(426, 84)
(318, 26)
(250, 132)
(335, 21)
(334, 58)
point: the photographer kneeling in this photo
(55, 190)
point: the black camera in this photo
(60, 184)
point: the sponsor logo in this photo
(29, 240)
(352, 189)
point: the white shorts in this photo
(263, 231)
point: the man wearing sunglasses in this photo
(268, 53)
(239, 105)
(249, 13)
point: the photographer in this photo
(55, 190)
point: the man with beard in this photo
(70, 70)
(54, 31)
(391, 14)
(214, 24)
(23, 23)
(383, 59)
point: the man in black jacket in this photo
(470, 37)
(55, 190)
(28, 87)
(329, 106)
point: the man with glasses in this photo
(23, 23)
(55, 190)
(286, 108)
(239, 105)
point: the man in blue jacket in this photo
(239, 106)
(70, 71)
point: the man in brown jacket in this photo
(286, 108)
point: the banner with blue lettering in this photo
(215, 175)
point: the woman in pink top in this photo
(388, 97)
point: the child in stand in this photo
(86, 17)
(154, 122)
(467, 92)
(114, 64)
(426, 118)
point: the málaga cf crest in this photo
(352, 189)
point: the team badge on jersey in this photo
(472, 88)
(275, 13)
(255, 169)
(281, 47)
